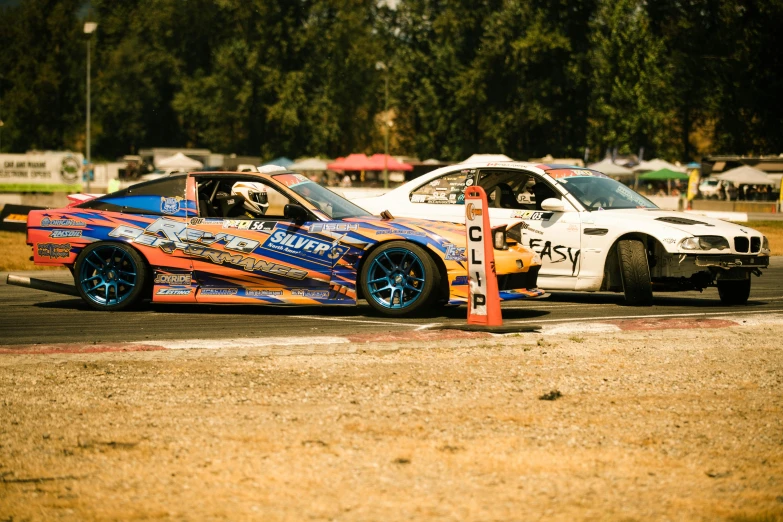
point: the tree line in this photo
(680, 78)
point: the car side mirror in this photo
(552, 205)
(294, 212)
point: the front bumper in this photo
(732, 261)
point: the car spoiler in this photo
(77, 199)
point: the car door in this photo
(516, 195)
(264, 256)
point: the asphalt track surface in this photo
(30, 316)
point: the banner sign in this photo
(483, 295)
(14, 217)
(41, 172)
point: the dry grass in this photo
(15, 254)
(774, 232)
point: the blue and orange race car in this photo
(261, 238)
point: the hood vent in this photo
(682, 221)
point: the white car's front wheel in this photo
(634, 272)
(734, 292)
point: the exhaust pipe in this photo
(40, 284)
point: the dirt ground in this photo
(650, 425)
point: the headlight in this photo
(499, 238)
(765, 243)
(704, 243)
(690, 243)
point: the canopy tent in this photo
(362, 162)
(391, 163)
(309, 164)
(663, 175)
(656, 164)
(745, 175)
(476, 158)
(281, 161)
(351, 162)
(610, 168)
(179, 161)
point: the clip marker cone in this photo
(483, 294)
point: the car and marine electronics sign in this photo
(41, 172)
(483, 295)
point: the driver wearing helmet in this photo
(256, 201)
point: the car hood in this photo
(692, 224)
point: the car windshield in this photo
(328, 202)
(602, 193)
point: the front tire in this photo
(110, 276)
(734, 292)
(634, 272)
(399, 279)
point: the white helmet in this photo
(256, 200)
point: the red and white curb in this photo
(586, 325)
(312, 345)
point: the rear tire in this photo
(399, 279)
(734, 292)
(110, 276)
(634, 272)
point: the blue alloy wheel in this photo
(110, 276)
(398, 278)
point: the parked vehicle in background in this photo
(592, 232)
(711, 188)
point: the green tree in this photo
(43, 70)
(632, 94)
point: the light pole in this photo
(89, 28)
(382, 66)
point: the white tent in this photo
(178, 161)
(656, 164)
(477, 158)
(609, 168)
(310, 164)
(745, 176)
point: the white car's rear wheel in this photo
(734, 292)
(634, 272)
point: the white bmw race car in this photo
(592, 232)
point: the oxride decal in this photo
(174, 279)
(65, 233)
(54, 250)
(563, 252)
(170, 235)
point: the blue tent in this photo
(281, 161)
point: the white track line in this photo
(651, 316)
(249, 342)
(342, 320)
